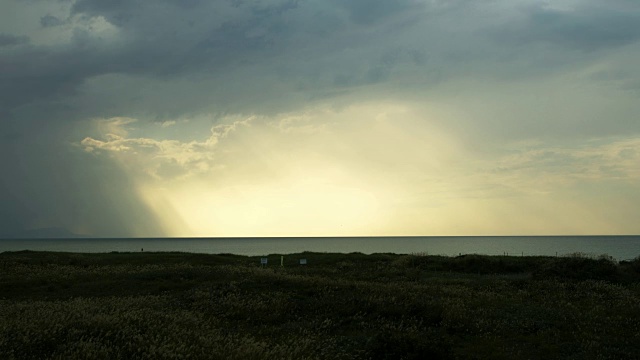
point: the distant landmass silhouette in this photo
(43, 233)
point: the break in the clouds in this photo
(376, 117)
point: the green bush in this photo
(396, 345)
(339, 306)
(578, 268)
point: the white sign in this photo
(303, 261)
(263, 261)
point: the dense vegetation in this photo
(338, 306)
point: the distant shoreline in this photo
(624, 247)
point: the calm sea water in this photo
(620, 247)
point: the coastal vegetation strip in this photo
(337, 306)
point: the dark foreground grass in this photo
(339, 306)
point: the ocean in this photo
(619, 247)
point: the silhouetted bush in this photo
(396, 345)
(474, 264)
(578, 268)
(635, 265)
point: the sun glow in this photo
(303, 206)
(280, 177)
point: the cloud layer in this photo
(100, 102)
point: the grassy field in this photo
(338, 306)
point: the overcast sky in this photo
(313, 118)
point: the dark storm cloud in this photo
(50, 21)
(166, 40)
(34, 75)
(11, 40)
(591, 27)
(366, 12)
(172, 38)
(47, 183)
(307, 45)
(342, 44)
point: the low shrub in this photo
(384, 306)
(579, 268)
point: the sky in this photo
(319, 117)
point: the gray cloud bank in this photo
(64, 63)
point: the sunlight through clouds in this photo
(383, 168)
(313, 117)
(265, 172)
